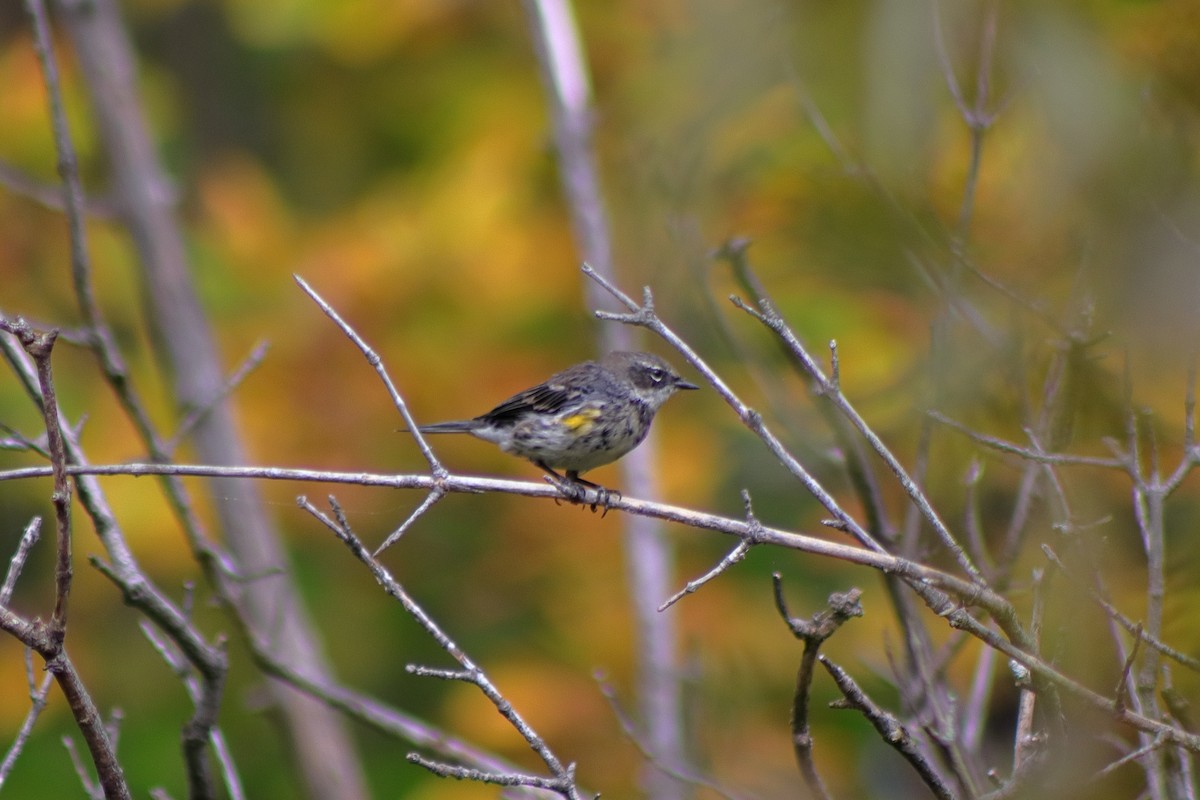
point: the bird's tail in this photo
(454, 426)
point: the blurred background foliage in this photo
(397, 156)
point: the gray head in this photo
(648, 376)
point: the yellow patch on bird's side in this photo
(581, 419)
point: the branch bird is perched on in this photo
(584, 417)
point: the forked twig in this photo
(732, 557)
(562, 779)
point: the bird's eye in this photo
(657, 375)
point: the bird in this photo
(588, 415)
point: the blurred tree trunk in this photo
(649, 557)
(185, 348)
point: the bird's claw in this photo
(604, 498)
(585, 494)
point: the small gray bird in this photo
(588, 415)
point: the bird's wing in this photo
(545, 398)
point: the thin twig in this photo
(894, 732)
(437, 492)
(779, 327)
(1120, 697)
(430, 499)
(29, 538)
(37, 702)
(643, 314)
(376, 363)
(197, 415)
(1123, 619)
(1027, 453)
(732, 557)
(50, 195)
(841, 607)
(563, 776)
(1024, 739)
(629, 728)
(858, 463)
(563, 786)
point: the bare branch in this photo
(629, 728)
(29, 538)
(913, 573)
(196, 416)
(733, 557)
(644, 315)
(563, 779)
(966, 591)
(890, 729)
(376, 363)
(1030, 454)
(430, 499)
(858, 463)
(1133, 628)
(37, 698)
(562, 786)
(841, 608)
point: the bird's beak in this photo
(682, 384)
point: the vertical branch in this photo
(1024, 738)
(1146, 685)
(649, 556)
(841, 607)
(975, 114)
(68, 162)
(40, 347)
(564, 72)
(138, 590)
(48, 639)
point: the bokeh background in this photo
(398, 156)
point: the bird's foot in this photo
(585, 493)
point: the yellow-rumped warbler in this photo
(586, 416)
